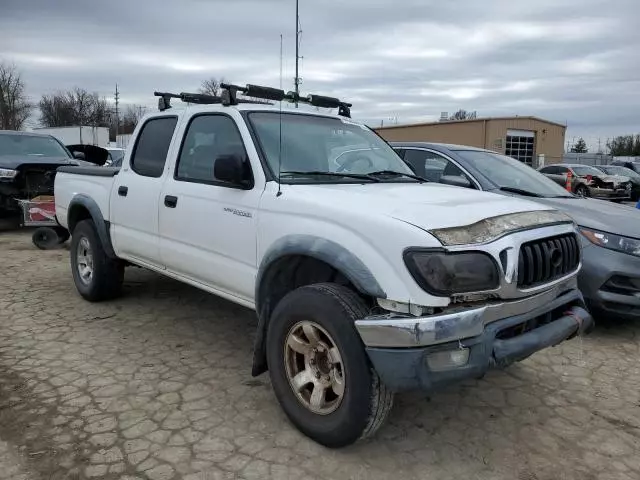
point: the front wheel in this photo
(319, 369)
(582, 191)
(96, 276)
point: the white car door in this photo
(207, 226)
(136, 194)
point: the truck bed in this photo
(94, 183)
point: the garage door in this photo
(520, 145)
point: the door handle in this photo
(170, 201)
(122, 190)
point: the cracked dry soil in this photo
(156, 385)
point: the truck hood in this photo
(427, 206)
(15, 161)
(598, 214)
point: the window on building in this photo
(520, 144)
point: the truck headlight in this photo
(445, 274)
(7, 173)
(611, 241)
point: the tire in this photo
(582, 191)
(63, 234)
(365, 401)
(103, 280)
(45, 238)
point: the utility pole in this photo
(117, 98)
(297, 79)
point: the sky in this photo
(400, 61)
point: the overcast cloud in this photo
(573, 61)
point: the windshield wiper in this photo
(520, 191)
(332, 174)
(397, 174)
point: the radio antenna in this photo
(280, 117)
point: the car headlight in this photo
(611, 241)
(7, 173)
(443, 274)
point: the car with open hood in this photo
(609, 233)
(28, 163)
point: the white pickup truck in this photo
(366, 280)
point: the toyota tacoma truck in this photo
(366, 280)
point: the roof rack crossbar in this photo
(268, 93)
(164, 102)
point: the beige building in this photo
(529, 139)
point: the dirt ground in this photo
(157, 385)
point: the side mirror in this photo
(232, 169)
(456, 181)
(79, 155)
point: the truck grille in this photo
(545, 260)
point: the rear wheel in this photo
(96, 276)
(319, 369)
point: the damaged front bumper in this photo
(435, 351)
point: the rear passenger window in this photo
(150, 153)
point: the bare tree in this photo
(211, 86)
(463, 115)
(14, 106)
(131, 117)
(74, 107)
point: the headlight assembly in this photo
(7, 173)
(445, 274)
(611, 241)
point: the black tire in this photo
(45, 238)
(63, 234)
(366, 401)
(582, 191)
(107, 275)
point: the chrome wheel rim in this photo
(84, 260)
(314, 367)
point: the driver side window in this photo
(208, 137)
(431, 165)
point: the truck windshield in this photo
(317, 149)
(31, 145)
(508, 173)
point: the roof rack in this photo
(164, 102)
(229, 97)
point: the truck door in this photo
(207, 226)
(136, 193)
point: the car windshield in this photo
(31, 145)
(583, 171)
(317, 149)
(116, 155)
(508, 173)
(627, 172)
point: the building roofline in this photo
(484, 119)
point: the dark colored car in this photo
(635, 166)
(28, 163)
(610, 275)
(633, 176)
(588, 181)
